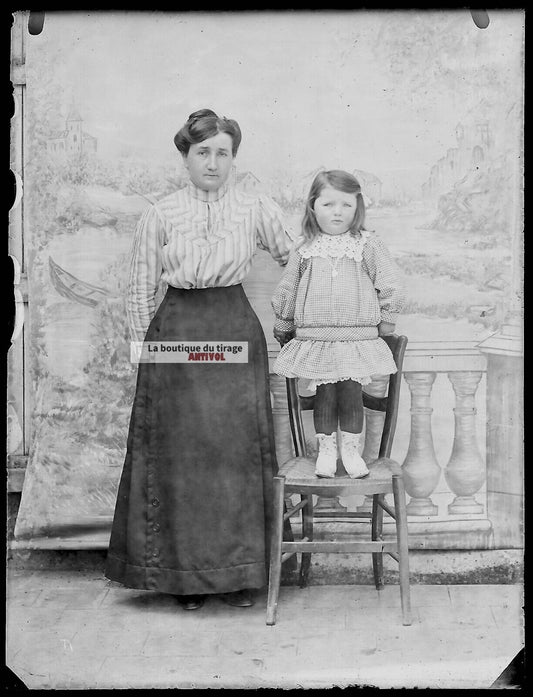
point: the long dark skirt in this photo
(193, 513)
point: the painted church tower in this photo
(74, 134)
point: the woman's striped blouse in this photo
(199, 239)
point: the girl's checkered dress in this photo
(334, 292)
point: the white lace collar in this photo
(345, 245)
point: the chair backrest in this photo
(388, 404)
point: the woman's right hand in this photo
(283, 336)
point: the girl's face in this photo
(209, 162)
(335, 210)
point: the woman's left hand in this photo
(385, 328)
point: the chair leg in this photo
(275, 550)
(307, 531)
(377, 534)
(403, 546)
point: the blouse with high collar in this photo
(207, 196)
(194, 238)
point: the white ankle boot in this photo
(326, 462)
(352, 461)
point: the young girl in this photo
(339, 293)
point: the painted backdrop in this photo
(424, 108)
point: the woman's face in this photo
(335, 210)
(209, 162)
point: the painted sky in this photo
(377, 91)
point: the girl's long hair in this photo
(342, 181)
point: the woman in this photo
(193, 509)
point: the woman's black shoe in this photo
(238, 598)
(191, 602)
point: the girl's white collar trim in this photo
(345, 245)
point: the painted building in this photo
(247, 181)
(73, 140)
(474, 146)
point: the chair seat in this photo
(299, 473)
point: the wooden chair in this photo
(297, 477)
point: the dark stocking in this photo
(350, 406)
(325, 415)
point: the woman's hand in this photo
(385, 328)
(283, 336)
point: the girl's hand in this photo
(385, 328)
(283, 336)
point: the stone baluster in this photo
(421, 469)
(373, 430)
(465, 471)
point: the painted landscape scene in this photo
(448, 213)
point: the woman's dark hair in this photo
(342, 181)
(203, 124)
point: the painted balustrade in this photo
(446, 497)
(473, 505)
(465, 471)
